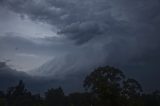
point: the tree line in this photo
(105, 86)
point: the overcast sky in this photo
(59, 37)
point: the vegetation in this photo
(105, 86)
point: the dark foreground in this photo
(105, 86)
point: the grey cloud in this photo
(64, 14)
(10, 77)
(62, 66)
(43, 46)
(27, 54)
(118, 32)
(82, 32)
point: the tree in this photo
(105, 84)
(2, 98)
(109, 86)
(131, 88)
(18, 95)
(152, 99)
(80, 99)
(55, 97)
(132, 92)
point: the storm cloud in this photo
(121, 33)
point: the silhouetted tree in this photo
(109, 86)
(18, 95)
(105, 83)
(55, 97)
(37, 100)
(106, 86)
(2, 94)
(2, 99)
(132, 91)
(80, 99)
(131, 88)
(152, 99)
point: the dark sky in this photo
(57, 39)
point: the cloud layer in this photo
(121, 33)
